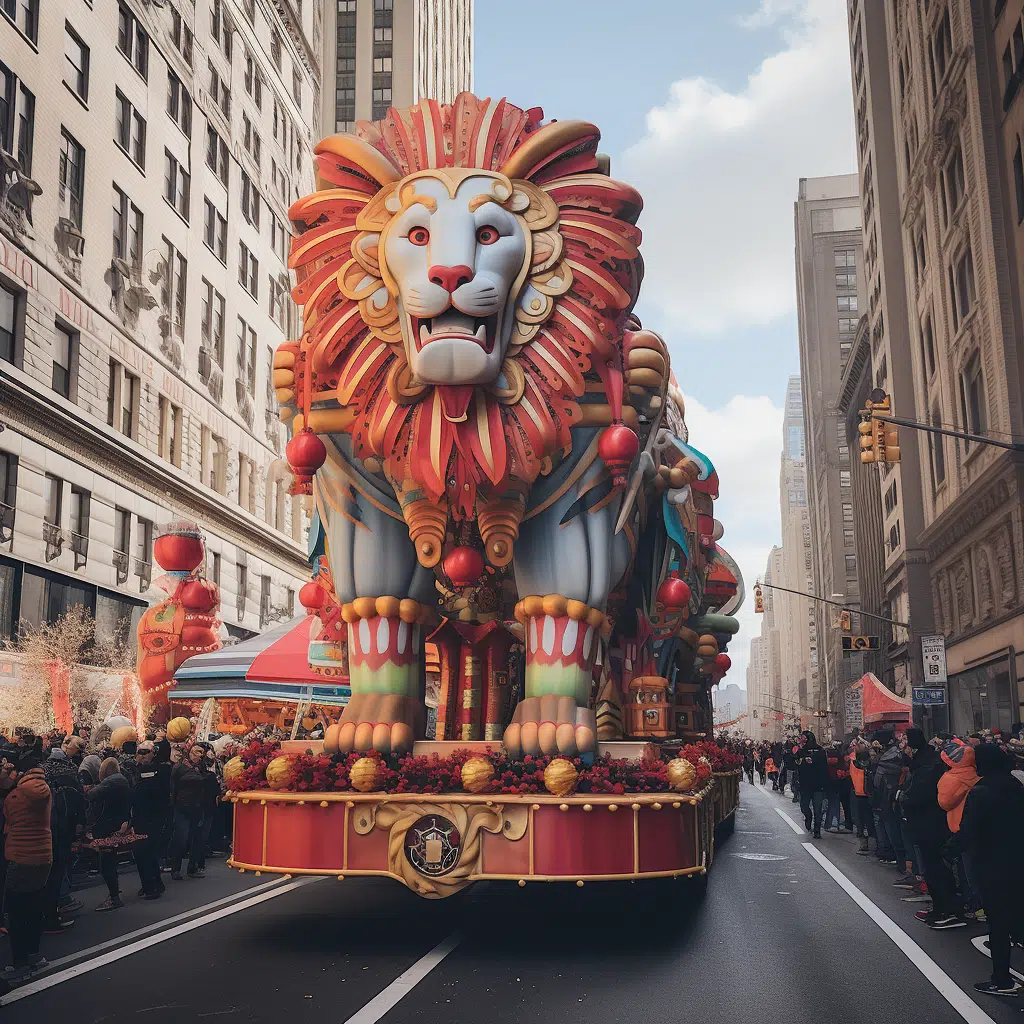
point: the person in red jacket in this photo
(28, 849)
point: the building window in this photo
(215, 567)
(241, 587)
(894, 537)
(1018, 178)
(123, 400)
(851, 567)
(177, 185)
(953, 185)
(972, 398)
(17, 118)
(9, 310)
(128, 224)
(847, 325)
(253, 81)
(275, 48)
(215, 231)
(213, 321)
(845, 258)
(129, 129)
(182, 36)
(171, 425)
(65, 358)
(265, 608)
(71, 187)
(848, 540)
(941, 51)
(844, 478)
(144, 548)
(173, 285)
(297, 86)
(847, 512)
(80, 502)
(248, 270)
(251, 139)
(24, 14)
(247, 355)
(937, 452)
(890, 501)
(122, 531)
(962, 287)
(179, 103)
(250, 201)
(214, 461)
(846, 280)
(928, 346)
(216, 154)
(132, 40)
(846, 303)
(54, 500)
(76, 63)
(219, 90)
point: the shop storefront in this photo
(985, 696)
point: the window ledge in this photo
(17, 28)
(171, 206)
(81, 101)
(117, 145)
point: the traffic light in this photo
(860, 643)
(870, 435)
(890, 444)
(758, 599)
(879, 441)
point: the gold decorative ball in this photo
(682, 775)
(178, 729)
(279, 772)
(234, 769)
(363, 775)
(125, 734)
(560, 777)
(477, 772)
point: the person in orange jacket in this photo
(859, 761)
(953, 788)
(771, 771)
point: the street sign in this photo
(929, 695)
(853, 708)
(933, 653)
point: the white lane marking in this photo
(936, 976)
(790, 822)
(385, 1000)
(746, 832)
(158, 925)
(980, 943)
(50, 980)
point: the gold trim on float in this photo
(265, 810)
(576, 799)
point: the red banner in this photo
(60, 689)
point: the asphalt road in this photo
(775, 932)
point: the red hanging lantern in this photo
(617, 448)
(463, 566)
(312, 596)
(674, 593)
(178, 552)
(723, 662)
(306, 453)
(199, 596)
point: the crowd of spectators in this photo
(947, 814)
(75, 810)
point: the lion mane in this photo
(466, 450)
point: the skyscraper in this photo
(383, 53)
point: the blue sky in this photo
(714, 111)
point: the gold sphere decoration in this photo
(125, 734)
(234, 769)
(178, 729)
(279, 772)
(363, 775)
(560, 777)
(477, 772)
(682, 775)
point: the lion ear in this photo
(533, 204)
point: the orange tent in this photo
(881, 705)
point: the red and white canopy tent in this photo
(882, 707)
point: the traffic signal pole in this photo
(835, 604)
(1013, 446)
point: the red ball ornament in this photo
(674, 593)
(463, 566)
(617, 448)
(312, 596)
(198, 596)
(306, 453)
(178, 552)
(723, 662)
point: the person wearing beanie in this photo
(992, 834)
(28, 850)
(927, 821)
(111, 803)
(812, 772)
(89, 770)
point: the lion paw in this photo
(550, 725)
(375, 721)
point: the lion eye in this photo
(487, 235)
(419, 236)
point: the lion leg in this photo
(386, 600)
(564, 572)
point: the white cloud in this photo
(719, 172)
(743, 439)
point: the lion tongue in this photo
(455, 400)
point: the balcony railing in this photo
(6, 523)
(121, 562)
(54, 538)
(144, 570)
(80, 548)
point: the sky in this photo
(714, 111)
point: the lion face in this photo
(457, 258)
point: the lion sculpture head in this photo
(465, 273)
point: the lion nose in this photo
(450, 278)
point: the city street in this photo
(776, 931)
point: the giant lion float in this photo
(503, 488)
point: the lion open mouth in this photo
(453, 324)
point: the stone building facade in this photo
(954, 69)
(150, 154)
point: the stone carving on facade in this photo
(944, 604)
(17, 190)
(986, 598)
(70, 243)
(1002, 545)
(978, 510)
(244, 402)
(210, 373)
(950, 111)
(964, 589)
(128, 293)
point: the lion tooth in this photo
(424, 334)
(481, 333)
